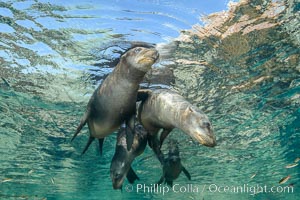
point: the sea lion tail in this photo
(131, 176)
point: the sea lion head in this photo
(173, 154)
(141, 58)
(199, 127)
(118, 170)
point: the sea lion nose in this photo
(153, 53)
(212, 141)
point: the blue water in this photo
(240, 66)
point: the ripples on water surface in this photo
(242, 69)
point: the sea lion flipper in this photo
(80, 126)
(91, 139)
(155, 145)
(170, 183)
(83, 121)
(186, 173)
(131, 176)
(163, 136)
(161, 180)
(130, 132)
(129, 139)
(143, 94)
(101, 140)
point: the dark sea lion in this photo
(114, 101)
(121, 162)
(166, 109)
(172, 166)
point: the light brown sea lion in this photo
(114, 101)
(166, 109)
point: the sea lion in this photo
(172, 166)
(166, 109)
(122, 159)
(114, 101)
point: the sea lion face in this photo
(173, 154)
(141, 58)
(118, 173)
(199, 127)
(174, 159)
(173, 148)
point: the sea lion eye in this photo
(206, 125)
(137, 50)
(117, 176)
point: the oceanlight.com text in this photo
(249, 189)
(211, 188)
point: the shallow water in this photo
(242, 69)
